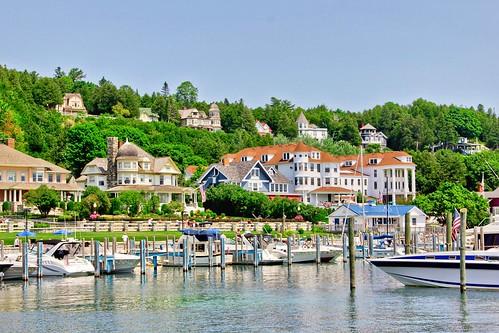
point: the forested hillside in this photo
(26, 113)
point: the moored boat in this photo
(442, 269)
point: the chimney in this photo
(112, 151)
(11, 143)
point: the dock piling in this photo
(351, 254)
(142, 256)
(210, 251)
(255, 251)
(185, 258)
(288, 252)
(407, 233)
(222, 252)
(475, 239)
(371, 245)
(345, 248)
(39, 259)
(2, 254)
(462, 251)
(482, 239)
(96, 258)
(317, 249)
(113, 252)
(395, 235)
(104, 256)
(25, 263)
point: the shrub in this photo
(6, 206)
(301, 231)
(267, 229)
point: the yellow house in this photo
(20, 173)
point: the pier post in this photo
(407, 233)
(185, 255)
(91, 247)
(193, 248)
(147, 246)
(433, 241)
(142, 256)
(234, 254)
(345, 248)
(210, 251)
(462, 250)
(255, 251)
(2, 244)
(153, 243)
(155, 262)
(222, 252)
(371, 245)
(395, 235)
(167, 250)
(482, 239)
(290, 256)
(25, 261)
(113, 252)
(351, 254)
(83, 248)
(415, 243)
(317, 249)
(96, 258)
(448, 234)
(39, 259)
(475, 238)
(104, 255)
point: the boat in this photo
(15, 272)
(199, 248)
(4, 266)
(442, 269)
(243, 252)
(303, 253)
(60, 258)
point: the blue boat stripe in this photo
(450, 283)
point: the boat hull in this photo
(480, 274)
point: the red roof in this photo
(332, 189)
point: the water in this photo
(303, 298)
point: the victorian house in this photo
(20, 173)
(198, 119)
(371, 136)
(306, 129)
(129, 167)
(72, 105)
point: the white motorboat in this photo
(442, 269)
(243, 253)
(303, 253)
(61, 259)
(15, 272)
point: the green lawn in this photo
(8, 237)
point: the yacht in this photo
(442, 269)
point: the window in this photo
(365, 182)
(351, 182)
(375, 185)
(306, 180)
(318, 182)
(265, 158)
(335, 181)
(373, 161)
(285, 156)
(296, 180)
(101, 183)
(254, 186)
(327, 169)
(50, 178)
(91, 179)
(348, 163)
(296, 166)
(11, 176)
(318, 167)
(312, 181)
(120, 165)
(327, 181)
(38, 176)
(358, 182)
(346, 181)
(335, 170)
(312, 167)
(58, 177)
(375, 173)
(413, 221)
(23, 177)
(126, 165)
(244, 158)
(146, 165)
(162, 179)
(255, 173)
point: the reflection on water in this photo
(274, 298)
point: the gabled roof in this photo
(302, 119)
(99, 162)
(278, 151)
(12, 157)
(187, 113)
(368, 127)
(236, 172)
(385, 159)
(161, 162)
(129, 149)
(491, 194)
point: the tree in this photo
(165, 91)
(83, 143)
(450, 196)
(186, 94)
(47, 93)
(44, 198)
(58, 73)
(96, 199)
(130, 100)
(465, 121)
(76, 74)
(132, 202)
(119, 110)
(106, 96)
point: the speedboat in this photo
(442, 269)
(243, 251)
(4, 266)
(303, 253)
(15, 272)
(61, 259)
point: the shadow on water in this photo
(352, 312)
(463, 319)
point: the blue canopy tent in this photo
(203, 235)
(62, 232)
(26, 233)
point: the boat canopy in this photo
(203, 235)
(384, 236)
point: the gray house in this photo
(250, 175)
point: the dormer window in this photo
(409, 158)
(316, 155)
(285, 156)
(373, 161)
(348, 163)
(265, 158)
(244, 158)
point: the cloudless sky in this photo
(345, 54)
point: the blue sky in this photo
(345, 54)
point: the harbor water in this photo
(300, 298)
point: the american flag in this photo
(456, 224)
(203, 193)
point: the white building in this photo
(326, 180)
(371, 136)
(262, 128)
(305, 129)
(198, 119)
(380, 218)
(72, 104)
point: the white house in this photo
(375, 217)
(370, 136)
(305, 129)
